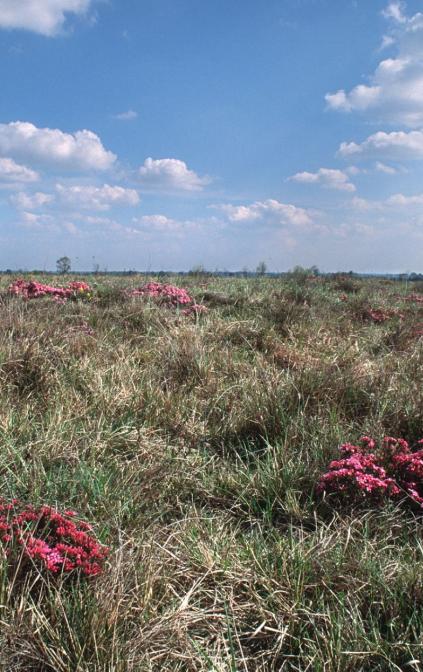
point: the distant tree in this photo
(261, 268)
(63, 265)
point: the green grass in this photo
(194, 446)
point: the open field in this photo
(194, 445)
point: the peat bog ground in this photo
(193, 442)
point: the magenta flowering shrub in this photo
(52, 540)
(376, 473)
(34, 290)
(170, 296)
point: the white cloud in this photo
(31, 220)
(398, 200)
(398, 145)
(401, 200)
(97, 198)
(14, 172)
(270, 210)
(40, 16)
(383, 168)
(326, 177)
(53, 148)
(365, 205)
(126, 116)
(360, 98)
(395, 10)
(170, 174)
(395, 91)
(25, 201)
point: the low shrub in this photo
(169, 296)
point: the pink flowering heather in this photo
(54, 541)
(34, 290)
(170, 296)
(369, 472)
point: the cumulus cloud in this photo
(398, 145)
(270, 210)
(53, 148)
(14, 172)
(97, 198)
(46, 17)
(170, 174)
(24, 201)
(327, 177)
(395, 90)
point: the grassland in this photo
(194, 445)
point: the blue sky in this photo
(163, 134)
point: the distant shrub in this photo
(170, 296)
(34, 290)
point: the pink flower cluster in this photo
(169, 295)
(32, 289)
(376, 473)
(54, 540)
